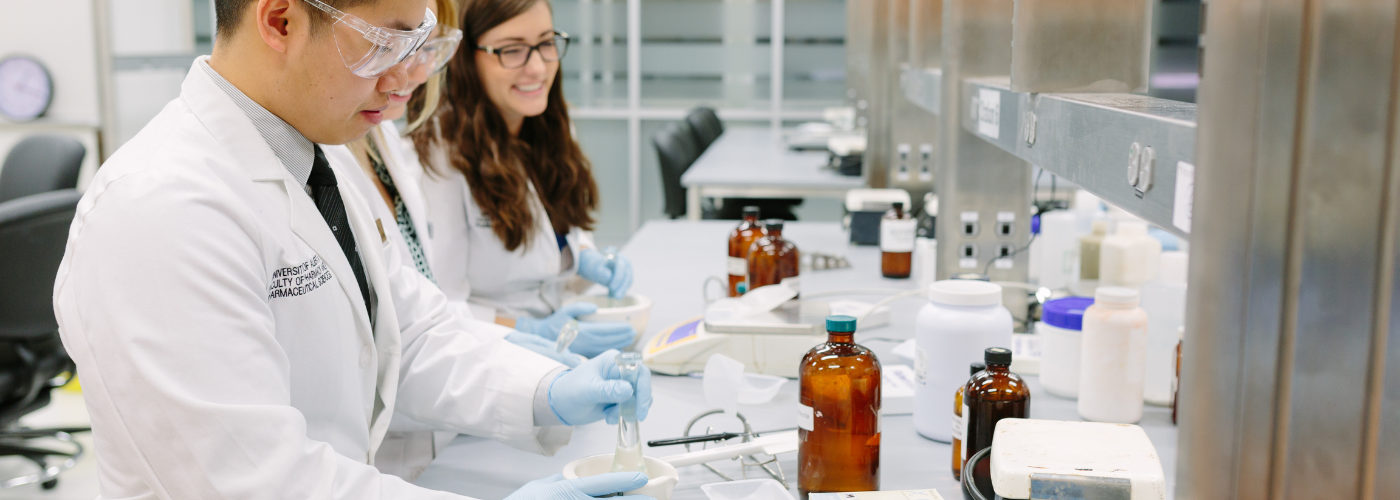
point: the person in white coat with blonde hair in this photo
(242, 325)
(409, 448)
(510, 195)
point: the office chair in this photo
(706, 128)
(705, 124)
(33, 234)
(41, 163)
(676, 149)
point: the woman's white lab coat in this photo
(409, 448)
(471, 263)
(221, 337)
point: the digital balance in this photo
(766, 329)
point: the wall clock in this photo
(26, 88)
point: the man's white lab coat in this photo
(220, 336)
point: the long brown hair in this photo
(500, 168)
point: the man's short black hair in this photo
(229, 13)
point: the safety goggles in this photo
(516, 55)
(375, 50)
(436, 52)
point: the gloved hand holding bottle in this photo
(592, 391)
(614, 273)
(594, 337)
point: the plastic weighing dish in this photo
(748, 489)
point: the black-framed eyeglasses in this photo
(517, 55)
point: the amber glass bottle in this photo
(839, 416)
(958, 427)
(1176, 380)
(772, 258)
(897, 230)
(992, 395)
(740, 239)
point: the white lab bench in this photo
(753, 162)
(672, 260)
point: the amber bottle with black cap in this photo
(773, 259)
(991, 395)
(959, 424)
(740, 239)
(838, 416)
(897, 229)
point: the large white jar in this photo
(962, 319)
(1112, 355)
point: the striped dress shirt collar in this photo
(295, 150)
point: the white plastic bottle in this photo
(1164, 299)
(1112, 352)
(962, 319)
(1129, 257)
(1087, 209)
(1056, 250)
(1090, 248)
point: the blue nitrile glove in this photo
(591, 392)
(585, 488)
(544, 348)
(594, 337)
(616, 274)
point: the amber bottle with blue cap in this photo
(838, 414)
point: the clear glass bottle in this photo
(740, 239)
(990, 396)
(628, 457)
(839, 414)
(959, 425)
(772, 258)
(897, 230)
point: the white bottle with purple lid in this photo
(1060, 330)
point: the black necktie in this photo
(332, 208)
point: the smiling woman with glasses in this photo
(510, 194)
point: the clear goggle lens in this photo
(436, 52)
(370, 51)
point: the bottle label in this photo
(961, 431)
(957, 427)
(805, 418)
(738, 266)
(897, 235)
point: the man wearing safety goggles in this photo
(242, 327)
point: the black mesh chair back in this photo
(33, 234)
(676, 149)
(39, 164)
(706, 126)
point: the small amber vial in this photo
(897, 229)
(992, 395)
(838, 432)
(740, 239)
(958, 427)
(772, 258)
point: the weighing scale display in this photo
(680, 333)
